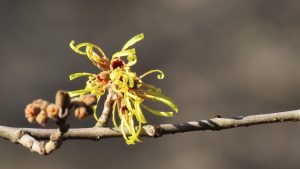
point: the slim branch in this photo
(106, 112)
(18, 135)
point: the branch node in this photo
(152, 131)
(17, 135)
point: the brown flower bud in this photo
(42, 104)
(37, 102)
(89, 100)
(104, 75)
(81, 113)
(31, 112)
(42, 118)
(53, 111)
(62, 99)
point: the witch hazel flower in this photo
(127, 90)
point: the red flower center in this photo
(117, 63)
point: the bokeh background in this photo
(232, 57)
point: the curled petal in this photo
(129, 125)
(115, 74)
(161, 74)
(76, 48)
(135, 133)
(131, 81)
(131, 60)
(125, 85)
(122, 81)
(163, 99)
(93, 56)
(84, 91)
(133, 40)
(113, 114)
(128, 104)
(123, 130)
(139, 129)
(124, 53)
(119, 109)
(78, 92)
(139, 114)
(158, 112)
(88, 47)
(133, 96)
(95, 109)
(77, 75)
(130, 53)
(131, 56)
(133, 105)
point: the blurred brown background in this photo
(230, 57)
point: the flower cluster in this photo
(128, 88)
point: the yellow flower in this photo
(129, 88)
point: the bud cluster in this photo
(84, 106)
(41, 111)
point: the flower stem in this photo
(106, 112)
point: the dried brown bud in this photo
(37, 102)
(89, 100)
(104, 75)
(62, 99)
(42, 118)
(53, 111)
(31, 112)
(42, 104)
(81, 113)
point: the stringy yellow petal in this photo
(124, 53)
(165, 100)
(131, 81)
(113, 114)
(133, 40)
(131, 57)
(76, 93)
(76, 48)
(94, 57)
(90, 45)
(123, 130)
(131, 60)
(139, 114)
(77, 75)
(127, 103)
(158, 112)
(139, 129)
(95, 109)
(134, 134)
(161, 74)
(152, 89)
